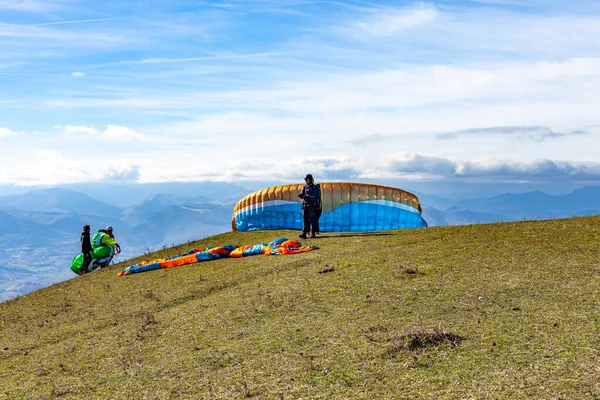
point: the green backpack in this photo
(77, 263)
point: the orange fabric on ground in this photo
(237, 253)
(191, 258)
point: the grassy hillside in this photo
(503, 311)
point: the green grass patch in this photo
(483, 311)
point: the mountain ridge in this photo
(58, 200)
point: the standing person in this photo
(310, 205)
(86, 249)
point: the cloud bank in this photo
(505, 170)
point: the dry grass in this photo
(497, 311)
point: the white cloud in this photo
(410, 163)
(494, 169)
(251, 168)
(330, 115)
(48, 156)
(50, 167)
(535, 133)
(77, 74)
(5, 132)
(28, 5)
(461, 34)
(55, 166)
(387, 22)
(215, 57)
(284, 160)
(119, 133)
(129, 173)
(113, 133)
(29, 43)
(78, 21)
(79, 130)
(574, 82)
(367, 140)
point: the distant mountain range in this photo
(511, 207)
(39, 229)
(60, 201)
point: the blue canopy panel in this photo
(361, 216)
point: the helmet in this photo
(309, 177)
(108, 228)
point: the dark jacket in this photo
(310, 196)
(86, 244)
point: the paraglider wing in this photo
(346, 207)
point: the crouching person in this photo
(105, 247)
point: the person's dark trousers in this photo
(318, 217)
(87, 259)
(310, 221)
(314, 225)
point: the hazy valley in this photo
(39, 229)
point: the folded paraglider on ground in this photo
(280, 246)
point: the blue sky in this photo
(468, 91)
